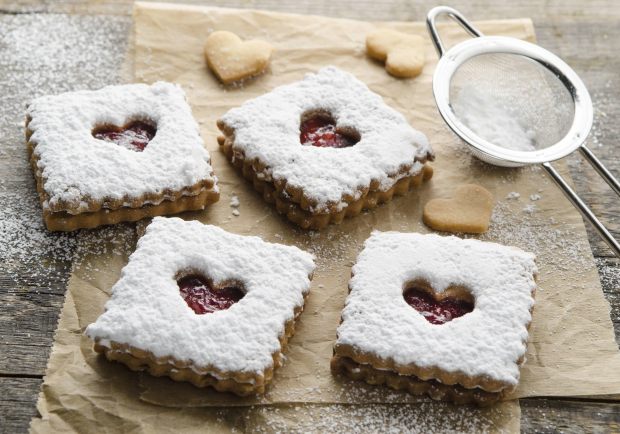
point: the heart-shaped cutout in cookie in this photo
(134, 136)
(468, 210)
(438, 308)
(403, 53)
(319, 129)
(203, 297)
(232, 59)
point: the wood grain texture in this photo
(539, 415)
(585, 34)
(25, 339)
(17, 403)
(384, 10)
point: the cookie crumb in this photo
(535, 197)
(234, 201)
(513, 195)
(236, 212)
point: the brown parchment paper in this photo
(83, 393)
(572, 351)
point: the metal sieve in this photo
(515, 103)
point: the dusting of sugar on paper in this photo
(420, 418)
(550, 240)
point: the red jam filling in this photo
(200, 295)
(435, 311)
(321, 131)
(134, 136)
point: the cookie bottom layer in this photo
(239, 383)
(63, 221)
(306, 219)
(456, 394)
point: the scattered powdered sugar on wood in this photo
(609, 273)
(44, 54)
(24, 238)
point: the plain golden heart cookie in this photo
(402, 53)
(469, 210)
(232, 59)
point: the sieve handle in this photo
(583, 209)
(456, 16)
(602, 170)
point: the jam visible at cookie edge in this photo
(202, 297)
(321, 131)
(134, 136)
(434, 311)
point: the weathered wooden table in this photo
(42, 52)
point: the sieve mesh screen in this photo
(511, 101)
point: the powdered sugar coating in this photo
(267, 128)
(489, 341)
(76, 167)
(146, 310)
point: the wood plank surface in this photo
(569, 11)
(585, 34)
(17, 403)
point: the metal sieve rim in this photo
(457, 55)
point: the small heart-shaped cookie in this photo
(402, 53)
(469, 210)
(232, 59)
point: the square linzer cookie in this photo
(121, 153)
(324, 148)
(436, 315)
(199, 304)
